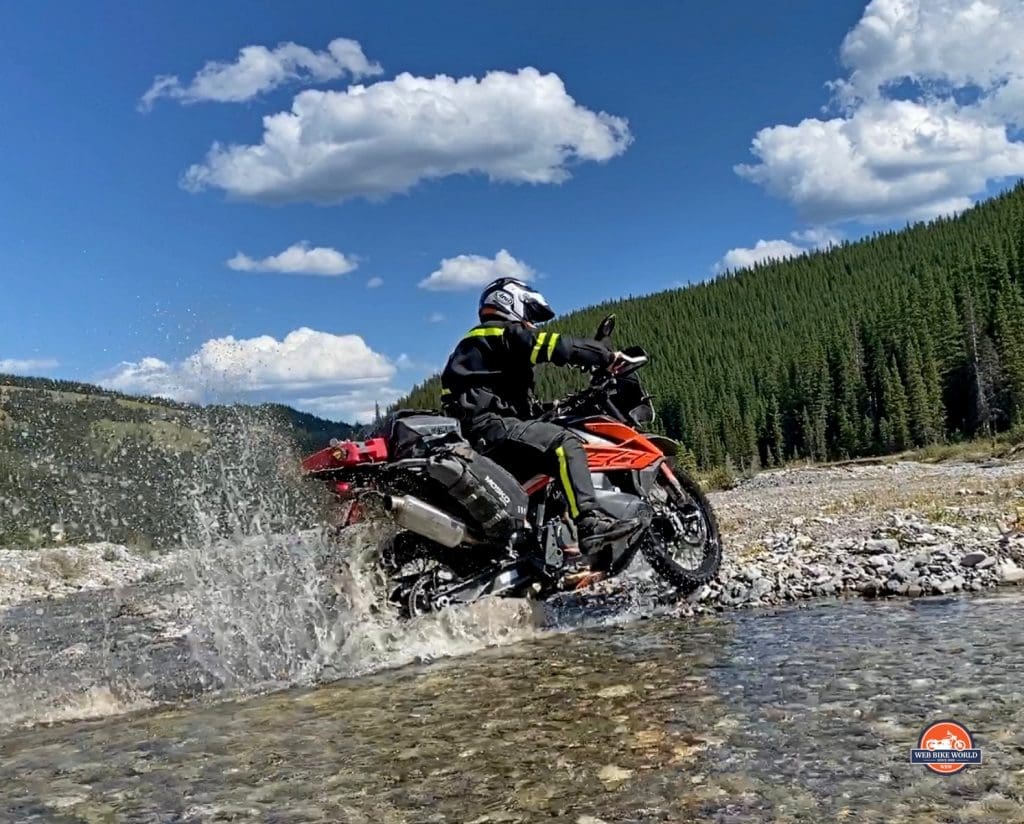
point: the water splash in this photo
(93, 702)
(262, 596)
(277, 610)
(279, 601)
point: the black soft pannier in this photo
(488, 493)
(491, 496)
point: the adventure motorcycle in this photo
(469, 529)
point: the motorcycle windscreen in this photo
(628, 396)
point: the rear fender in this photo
(345, 455)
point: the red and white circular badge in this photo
(946, 747)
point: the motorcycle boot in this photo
(596, 529)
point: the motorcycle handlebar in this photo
(620, 367)
(599, 382)
(627, 363)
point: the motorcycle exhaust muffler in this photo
(426, 520)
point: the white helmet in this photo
(511, 299)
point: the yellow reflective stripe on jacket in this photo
(536, 349)
(563, 473)
(485, 332)
(549, 338)
(445, 392)
(551, 344)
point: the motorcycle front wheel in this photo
(683, 546)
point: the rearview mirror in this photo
(605, 329)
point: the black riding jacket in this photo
(491, 369)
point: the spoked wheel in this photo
(684, 546)
(408, 566)
(418, 601)
(404, 554)
(423, 596)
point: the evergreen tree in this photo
(922, 415)
(896, 410)
(1009, 334)
(980, 368)
(903, 338)
(774, 441)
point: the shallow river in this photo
(797, 715)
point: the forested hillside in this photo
(904, 339)
(81, 463)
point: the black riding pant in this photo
(528, 448)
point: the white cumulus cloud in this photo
(258, 69)
(26, 366)
(410, 364)
(762, 251)
(818, 237)
(815, 237)
(357, 405)
(376, 140)
(374, 283)
(929, 113)
(471, 271)
(298, 259)
(938, 44)
(303, 358)
(153, 376)
(262, 368)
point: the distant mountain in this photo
(78, 462)
(903, 339)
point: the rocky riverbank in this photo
(905, 529)
(56, 572)
(166, 640)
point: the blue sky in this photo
(114, 256)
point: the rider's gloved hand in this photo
(618, 363)
(621, 362)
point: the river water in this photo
(794, 715)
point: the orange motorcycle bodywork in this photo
(628, 450)
(623, 449)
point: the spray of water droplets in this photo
(279, 600)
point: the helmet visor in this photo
(537, 309)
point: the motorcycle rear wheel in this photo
(691, 555)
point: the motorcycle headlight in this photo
(644, 413)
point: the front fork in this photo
(670, 477)
(688, 524)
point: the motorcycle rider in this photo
(488, 384)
